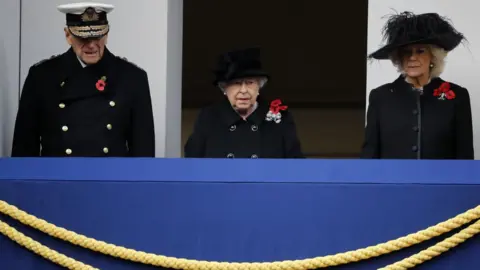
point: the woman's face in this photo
(242, 93)
(416, 60)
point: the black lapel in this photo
(69, 65)
(230, 116)
(406, 93)
(80, 83)
(434, 84)
(107, 67)
(401, 84)
(258, 116)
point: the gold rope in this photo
(437, 249)
(186, 264)
(42, 250)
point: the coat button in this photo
(65, 128)
(254, 128)
(105, 150)
(415, 129)
(415, 112)
(414, 148)
(254, 156)
(230, 155)
(68, 151)
(233, 127)
(109, 126)
(112, 103)
(61, 105)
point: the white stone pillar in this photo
(463, 66)
(146, 32)
(9, 71)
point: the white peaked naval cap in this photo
(79, 8)
(87, 19)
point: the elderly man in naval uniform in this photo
(86, 102)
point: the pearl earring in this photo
(431, 65)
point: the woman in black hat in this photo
(419, 115)
(243, 125)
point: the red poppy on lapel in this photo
(274, 112)
(276, 106)
(444, 92)
(100, 85)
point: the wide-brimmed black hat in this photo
(407, 28)
(87, 19)
(239, 64)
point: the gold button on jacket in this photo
(63, 105)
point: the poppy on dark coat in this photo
(407, 122)
(63, 110)
(221, 132)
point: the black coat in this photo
(220, 132)
(62, 113)
(404, 123)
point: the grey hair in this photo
(438, 61)
(261, 81)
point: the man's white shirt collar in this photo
(81, 62)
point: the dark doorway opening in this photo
(315, 52)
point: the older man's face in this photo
(90, 51)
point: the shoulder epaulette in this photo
(126, 60)
(46, 59)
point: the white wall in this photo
(139, 31)
(463, 65)
(173, 80)
(9, 61)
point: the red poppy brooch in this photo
(274, 113)
(100, 85)
(444, 92)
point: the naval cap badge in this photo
(90, 15)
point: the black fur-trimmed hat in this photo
(407, 28)
(239, 64)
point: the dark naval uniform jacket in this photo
(63, 112)
(408, 123)
(220, 132)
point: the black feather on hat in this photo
(239, 64)
(407, 28)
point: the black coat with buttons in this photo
(63, 113)
(220, 132)
(405, 123)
